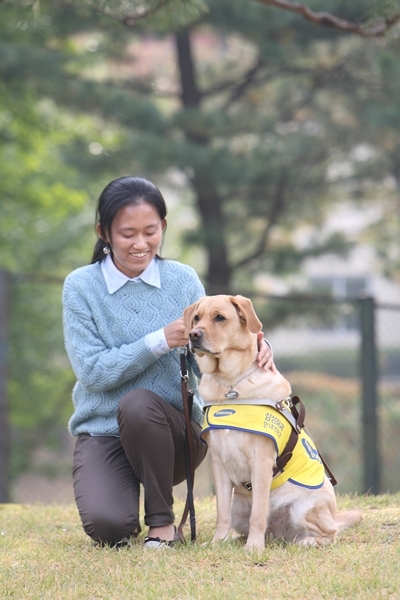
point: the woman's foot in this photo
(160, 537)
(166, 533)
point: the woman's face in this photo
(136, 235)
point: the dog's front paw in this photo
(314, 541)
(255, 544)
(221, 537)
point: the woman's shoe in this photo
(156, 542)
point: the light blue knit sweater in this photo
(104, 338)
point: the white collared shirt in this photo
(115, 279)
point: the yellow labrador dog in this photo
(298, 507)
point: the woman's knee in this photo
(109, 528)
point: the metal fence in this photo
(341, 357)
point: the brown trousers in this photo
(107, 470)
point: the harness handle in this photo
(298, 410)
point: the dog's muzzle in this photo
(196, 337)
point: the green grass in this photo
(45, 554)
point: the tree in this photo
(209, 135)
(384, 16)
(211, 113)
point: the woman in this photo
(122, 324)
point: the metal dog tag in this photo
(232, 395)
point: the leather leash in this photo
(187, 398)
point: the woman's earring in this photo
(106, 250)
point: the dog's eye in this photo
(196, 318)
(220, 318)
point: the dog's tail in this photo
(347, 518)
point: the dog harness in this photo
(298, 458)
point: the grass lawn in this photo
(45, 554)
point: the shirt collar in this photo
(115, 279)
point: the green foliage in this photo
(161, 14)
(39, 374)
(45, 216)
(257, 143)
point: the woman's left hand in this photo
(264, 358)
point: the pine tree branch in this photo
(327, 20)
(240, 88)
(128, 19)
(382, 25)
(236, 89)
(277, 208)
(255, 78)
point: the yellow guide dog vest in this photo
(305, 468)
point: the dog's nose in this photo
(195, 334)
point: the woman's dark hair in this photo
(124, 191)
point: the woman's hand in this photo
(264, 358)
(175, 334)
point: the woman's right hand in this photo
(175, 334)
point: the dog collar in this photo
(232, 394)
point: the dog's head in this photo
(219, 323)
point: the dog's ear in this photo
(246, 312)
(188, 315)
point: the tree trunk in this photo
(212, 236)
(209, 204)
